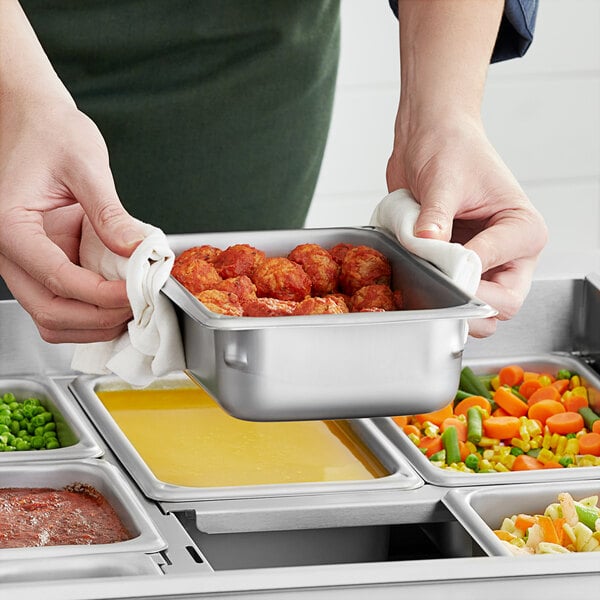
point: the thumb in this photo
(117, 229)
(436, 216)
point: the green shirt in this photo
(215, 113)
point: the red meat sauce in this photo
(77, 514)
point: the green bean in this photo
(474, 425)
(438, 456)
(469, 382)
(450, 443)
(589, 416)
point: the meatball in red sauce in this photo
(364, 266)
(239, 259)
(319, 265)
(282, 279)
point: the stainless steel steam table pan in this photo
(76, 438)
(105, 478)
(401, 475)
(329, 366)
(481, 510)
(446, 477)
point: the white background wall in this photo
(542, 112)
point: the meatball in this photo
(364, 266)
(269, 307)
(339, 251)
(372, 296)
(225, 303)
(207, 253)
(282, 279)
(195, 275)
(319, 265)
(241, 286)
(239, 259)
(320, 306)
(342, 300)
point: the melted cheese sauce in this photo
(186, 439)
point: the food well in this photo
(544, 363)
(482, 510)
(74, 436)
(329, 366)
(178, 444)
(103, 477)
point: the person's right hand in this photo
(54, 169)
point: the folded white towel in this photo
(398, 213)
(151, 346)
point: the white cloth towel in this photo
(398, 212)
(151, 346)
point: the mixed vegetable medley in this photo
(565, 526)
(26, 425)
(512, 420)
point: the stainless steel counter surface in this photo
(561, 314)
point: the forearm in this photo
(445, 49)
(25, 71)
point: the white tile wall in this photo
(542, 113)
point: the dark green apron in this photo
(215, 113)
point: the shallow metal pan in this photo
(109, 482)
(401, 475)
(481, 510)
(76, 437)
(329, 366)
(446, 477)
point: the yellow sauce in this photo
(186, 439)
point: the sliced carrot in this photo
(430, 445)
(528, 387)
(574, 403)
(503, 535)
(464, 405)
(501, 428)
(512, 404)
(464, 450)
(461, 427)
(499, 412)
(524, 462)
(400, 421)
(543, 409)
(589, 443)
(551, 464)
(546, 392)
(524, 522)
(511, 375)
(412, 429)
(562, 385)
(548, 530)
(596, 427)
(564, 422)
(558, 527)
(530, 375)
(437, 416)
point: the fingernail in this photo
(131, 237)
(428, 230)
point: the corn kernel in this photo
(544, 380)
(545, 456)
(486, 442)
(533, 427)
(519, 443)
(581, 391)
(575, 382)
(560, 447)
(572, 446)
(414, 438)
(485, 464)
(546, 441)
(554, 440)
(535, 443)
(488, 454)
(501, 468)
(495, 382)
(472, 447)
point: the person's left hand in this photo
(468, 195)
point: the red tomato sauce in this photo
(78, 514)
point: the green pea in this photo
(49, 435)
(8, 397)
(14, 427)
(38, 421)
(516, 451)
(47, 416)
(38, 431)
(31, 401)
(17, 415)
(5, 419)
(22, 445)
(52, 444)
(14, 406)
(472, 461)
(563, 374)
(38, 442)
(50, 426)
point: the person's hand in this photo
(468, 195)
(54, 169)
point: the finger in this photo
(482, 328)
(436, 216)
(80, 336)
(514, 234)
(94, 188)
(106, 309)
